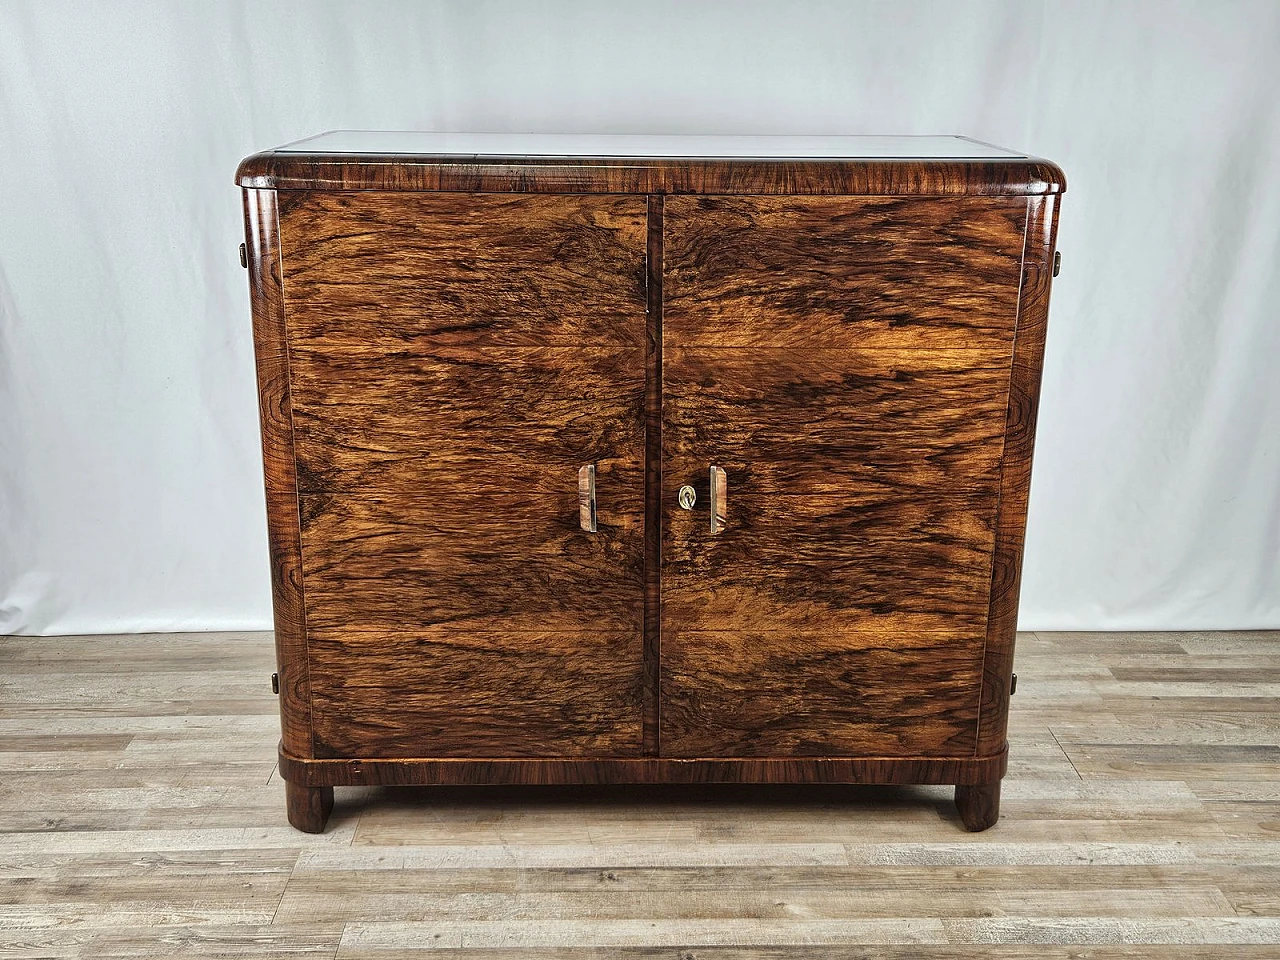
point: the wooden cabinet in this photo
(601, 462)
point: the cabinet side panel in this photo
(1015, 481)
(276, 418)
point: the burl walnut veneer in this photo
(646, 459)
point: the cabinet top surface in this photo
(649, 164)
(409, 143)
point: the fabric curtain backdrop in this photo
(132, 498)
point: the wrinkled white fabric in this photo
(130, 490)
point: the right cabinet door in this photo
(845, 362)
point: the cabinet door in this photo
(845, 362)
(455, 361)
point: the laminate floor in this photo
(141, 815)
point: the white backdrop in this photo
(131, 496)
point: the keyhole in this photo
(687, 497)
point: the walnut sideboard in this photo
(646, 459)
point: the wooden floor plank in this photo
(199, 942)
(413, 899)
(519, 934)
(827, 951)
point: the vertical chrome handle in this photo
(719, 498)
(587, 497)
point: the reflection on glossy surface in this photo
(643, 145)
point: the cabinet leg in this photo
(308, 807)
(979, 804)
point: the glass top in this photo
(407, 142)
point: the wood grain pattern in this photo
(767, 693)
(397, 270)
(813, 420)
(1015, 480)
(653, 480)
(477, 693)
(863, 488)
(471, 558)
(859, 560)
(843, 272)
(276, 419)
(471, 771)
(603, 175)
(468, 418)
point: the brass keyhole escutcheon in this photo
(687, 497)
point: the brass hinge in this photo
(1013, 685)
(275, 683)
(244, 257)
(1057, 262)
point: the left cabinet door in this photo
(454, 361)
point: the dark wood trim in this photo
(978, 804)
(308, 808)
(653, 481)
(275, 410)
(429, 771)
(1015, 477)
(996, 177)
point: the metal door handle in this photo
(587, 497)
(719, 498)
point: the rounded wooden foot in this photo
(308, 807)
(979, 804)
